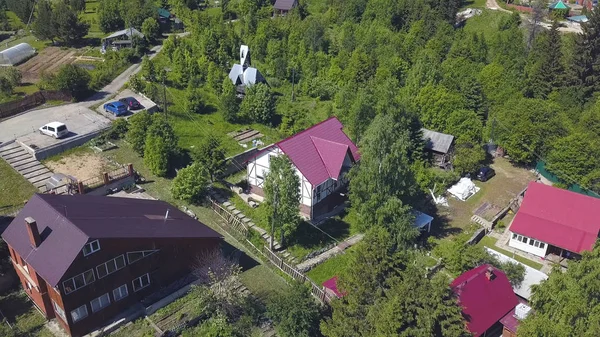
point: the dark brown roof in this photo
(285, 5)
(67, 223)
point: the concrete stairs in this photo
(251, 225)
(24, 163)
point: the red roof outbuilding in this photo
(558, 217)
(485, 298)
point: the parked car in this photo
(117, 108)
(131, 103)
(54, 129)
(485, 173)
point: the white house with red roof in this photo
(555, 221)
(321, 155)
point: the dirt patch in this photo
(81, 165)
(50, 59)
(493, 196)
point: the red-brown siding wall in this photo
(175, 259)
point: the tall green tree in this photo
(77, 5)
(211, 155)
(22, 8)
(586, 63)
(138, 129)
(573, 157)
(282, 196)
(74, 79)
(384, 170)
(295, 312)
(156, 155)
(258, 104)
(386, 295)
(544, 70)
(151, 29)
(69, 29)
(228, 101)
(566, 304)
(109, 16)
(44, 26)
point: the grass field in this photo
(38, 45)
(474, 4)
(498, 191)
(90, 16)
(330, 268)
(22, 315)
(486, 23)
(490, 242)
(14, 189)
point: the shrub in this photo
(191, 183)
(258, 104)
(74, 79)
(138, 128)
(156, 155)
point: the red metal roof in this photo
(484, 301)
(66, 223)
(559, 217)
(331, 284)
(319, 151)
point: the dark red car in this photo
(131, 103)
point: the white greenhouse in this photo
(16, 54)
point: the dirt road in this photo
(492, 4)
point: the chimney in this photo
(489, 274)
(34, 234)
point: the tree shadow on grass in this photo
(15, 304)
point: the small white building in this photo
(321, 155)
(242, 75)
(553, 221)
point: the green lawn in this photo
(14, 189)
(91, 17)
(486, 23)
(307, 238)
(263, 282)
(474, 4)
(38, 45)
(490, 242)
(330, 268)
(22, 315)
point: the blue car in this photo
(116, 108)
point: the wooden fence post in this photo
(105, 178)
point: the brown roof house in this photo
(282, 7)
(84, 259)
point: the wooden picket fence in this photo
(317, 290)
(234, 222)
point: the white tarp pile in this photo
(463, 189)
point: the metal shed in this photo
(16, 54)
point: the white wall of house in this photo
(258, 168)
(528, 244)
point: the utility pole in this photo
(275, 205)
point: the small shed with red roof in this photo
(321, 155)
(555, 221)
(486, 297)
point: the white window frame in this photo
(147, 276)
(59, 311)
(72, 279)
(104, 266)
(120, 292)
(144, 254)
(92, 250)
(77, 312)
(102, 301)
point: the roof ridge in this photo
(64, 216)
(305, 130)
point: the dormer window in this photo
(91, 247)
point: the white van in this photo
(54, 129)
